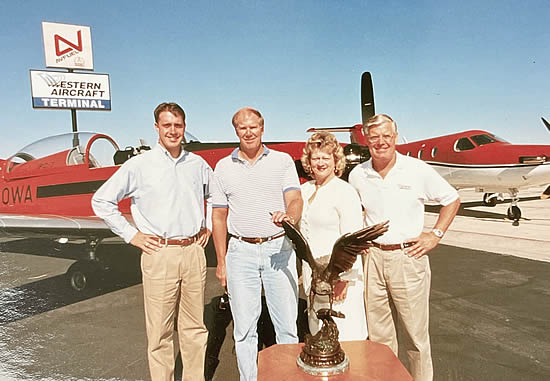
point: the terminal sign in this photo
(67, 46)
(59, 90)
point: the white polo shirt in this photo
(400, 196)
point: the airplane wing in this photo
(53, 226)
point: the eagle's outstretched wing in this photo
(348, 246)
(302, 248)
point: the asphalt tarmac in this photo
(490, 305)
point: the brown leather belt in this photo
(394, 246)
(178, 242)
(258, 240)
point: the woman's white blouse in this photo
(334, 211)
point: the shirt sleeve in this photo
(105, 202)
(437, 188)
(219, 197)
(290, 176)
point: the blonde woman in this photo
(332, 208)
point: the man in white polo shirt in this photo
(168, 187)
(394, 187)
(255, 189)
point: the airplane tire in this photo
(489, 201)
(81, 275)
(514, 213)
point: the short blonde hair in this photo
(377, 121)
(244, 111)
(320, 141)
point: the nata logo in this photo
(67, 46)
(71, 46)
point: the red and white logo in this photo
(58, 39)
(67, 46)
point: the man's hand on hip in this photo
(147, 243)
(422, 244)
(204, 236)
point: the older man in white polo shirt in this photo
(255, 189)
(394, 187)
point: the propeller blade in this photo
(367, 97)
(546, 193)
(546, 123)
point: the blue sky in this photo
(438, 67)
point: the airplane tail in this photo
(367, 97)
(367, 111)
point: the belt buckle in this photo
(262, 240)
(402, 244)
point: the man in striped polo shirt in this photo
(254, 190)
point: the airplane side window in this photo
(464, 144)
(408, 153)
(420, 153)
(482, 139)
(434, 152)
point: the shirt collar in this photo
(370, 171)
(235, 153)
(165, 152)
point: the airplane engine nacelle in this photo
(354, 154)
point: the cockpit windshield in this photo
(190, 137)
(53, 144)
(71, 145)
(483, 139)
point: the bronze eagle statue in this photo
(344, 254)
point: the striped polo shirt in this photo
(251, 192)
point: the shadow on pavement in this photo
(466, 212)
(16, 303)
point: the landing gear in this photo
(491, 199)
(85, 273)
(514, 212)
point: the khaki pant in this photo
(398, 287)
(174, 279)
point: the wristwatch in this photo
(438, 233)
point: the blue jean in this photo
(248, 266)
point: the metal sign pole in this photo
(76, 142)
(73, 113)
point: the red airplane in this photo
(469, 159)
(46, 187)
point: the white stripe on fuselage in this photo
(494, 178)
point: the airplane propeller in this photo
(367, 97)
(545, 123)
